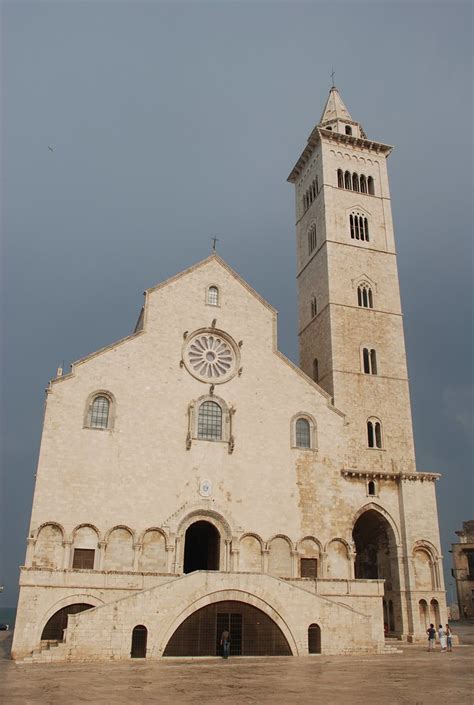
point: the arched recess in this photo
(119, 551)
(250, 554)
(376, 540)
(309, 551)
(153, 556)
(49, 548)
(337, 559)
(423, 612)
(279, 557)
(424, 569)
(434, 612)
(236, 596)
(81, 598)
(85, 543)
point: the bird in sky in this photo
(51, 149)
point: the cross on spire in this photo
(332, 77)
(214, 241)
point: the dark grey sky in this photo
(175, 122)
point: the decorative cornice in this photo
(351, 474)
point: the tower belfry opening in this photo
(201, 547)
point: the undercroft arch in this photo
(252, 632)
(54, 628)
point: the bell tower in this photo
(351, 337)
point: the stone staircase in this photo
(391, 646)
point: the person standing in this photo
(449, 638)
(431, 631)
(442, 637)
(225, 643)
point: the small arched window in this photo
(348, 180)
(210, 421)
(314, 306)
(315, 370)
(371, 488)
(348, 130)
(364, 296)
(359, 226)
(312, 239)
(369, 357)
(213, 296)
(374, 433)
(302, 433)
(100, 412)
(363, 184)
(355, 182)
(370, 186)
(340, 178)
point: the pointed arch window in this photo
(355, 182)
(210, 421)
(365, 297)
(314, 306)
(348, 180)
(213, 296)
(359, 226)
(374, 433)
(363, 184)
(340, 178)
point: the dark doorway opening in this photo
(55, 626)
(314, 639)
(252, 632)
(201, 547)
(139, 637)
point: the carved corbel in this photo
(189, 434)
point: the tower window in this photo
(314, 306)
(370, 186)
(213, 296)
(210, 421)
(359, 227)
(364, 296)
(312, 239)
(340, 178)
(348, 130)
(303, 434)
(363, 184)
(348, 181)
(355, 182)
(374, 433)
(371, 488)
(315, 370)
(100, 412)
(369, 357)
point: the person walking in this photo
(225, 643)
(431, 631)
(442, 637)
(449, 638)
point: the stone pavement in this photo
(414, 677)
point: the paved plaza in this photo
(413, 677)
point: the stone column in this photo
(227, 556)
(67, 562)
(323, 560)
(102, 545)
(265, 552)
(137, 550)
(170, 558)
(294, 564)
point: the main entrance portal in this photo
(252, 632)
(201, 547)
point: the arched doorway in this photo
(423, 609)
(434, 612)
(252, 632)
(201, 547)
(314, 639)
(55, 626)
(376, 559)
(139, 638)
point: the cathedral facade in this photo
(193, 480)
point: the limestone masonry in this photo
(193, 481)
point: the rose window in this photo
(210, 356)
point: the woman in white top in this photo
(442, 637)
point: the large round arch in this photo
(54, 628)
(252, 632)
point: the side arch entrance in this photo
(201, 547)
(252, 632)
(55, 626)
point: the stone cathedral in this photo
(192, 480)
